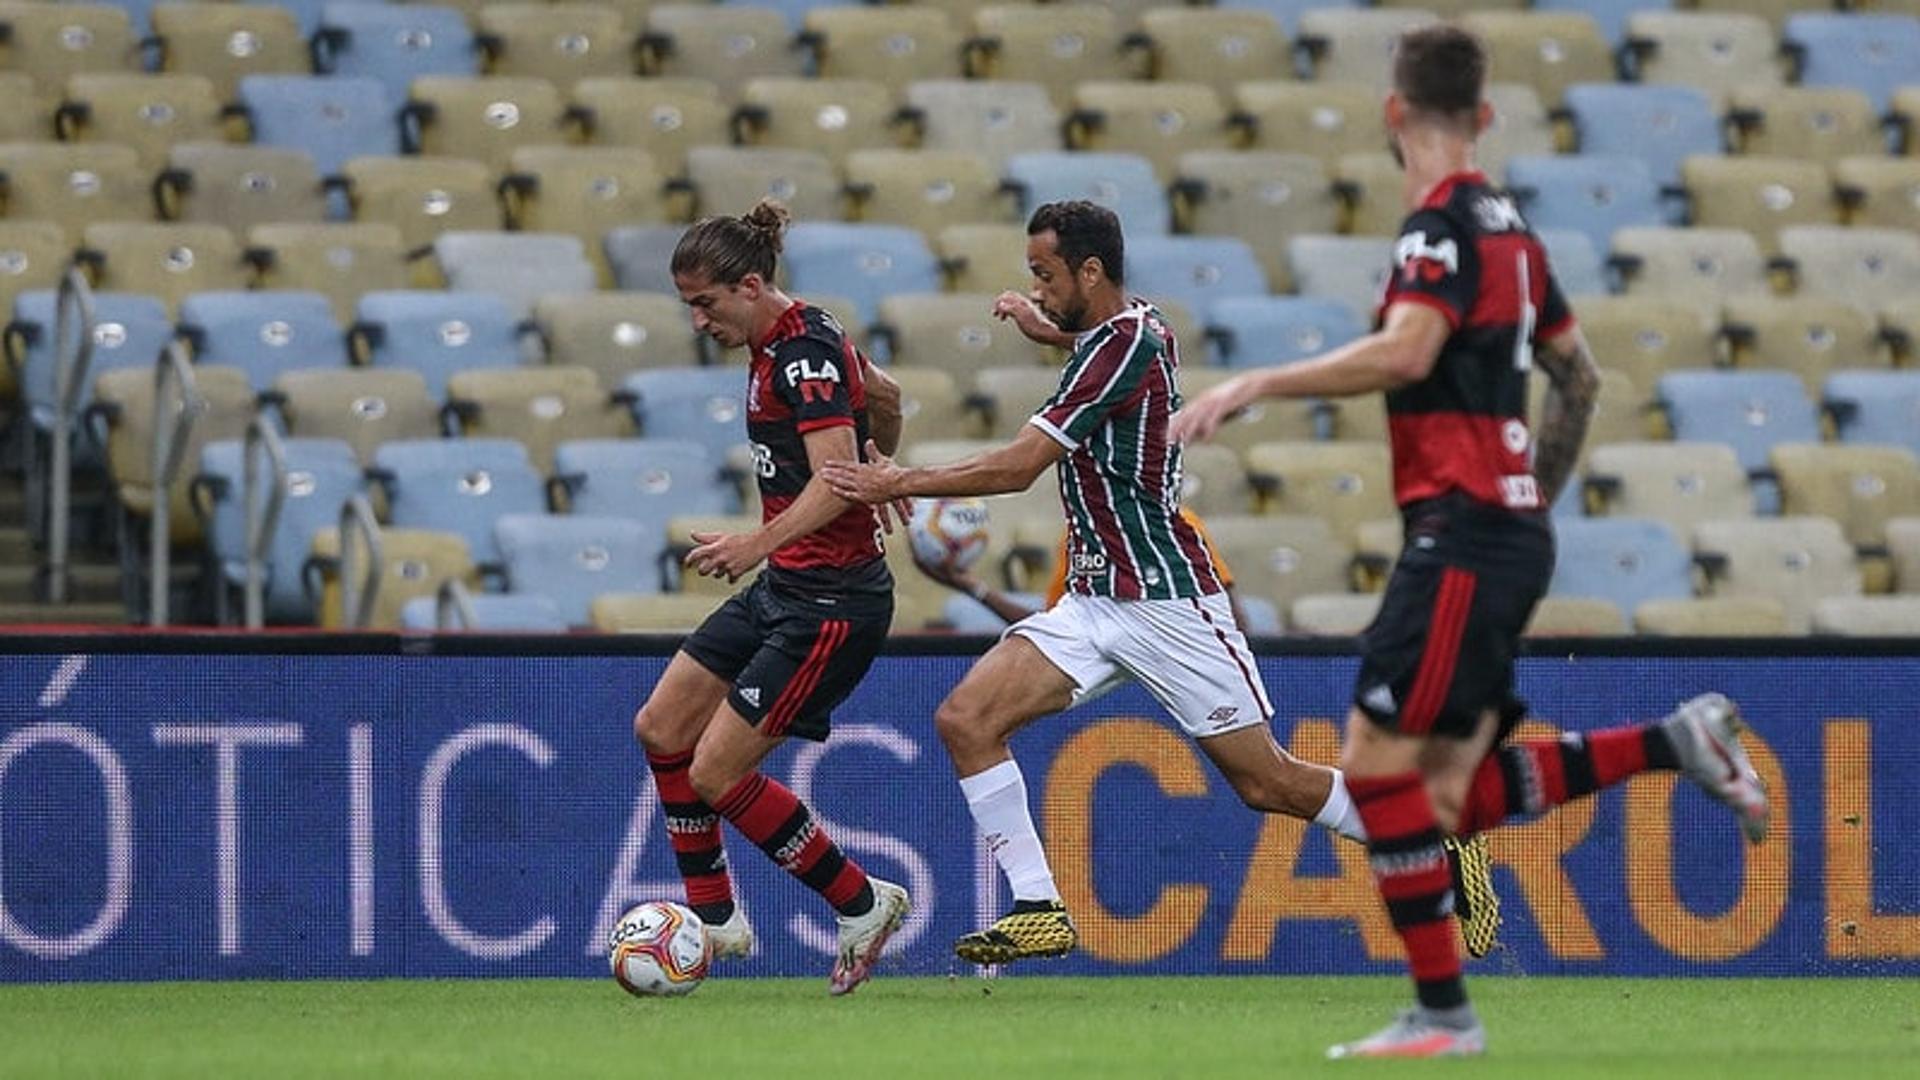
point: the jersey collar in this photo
(1442, 191)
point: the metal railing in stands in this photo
(356, 606)
(171, 433)
(70, 363)
(453, 606)
(262, 520)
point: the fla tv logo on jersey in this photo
(1420, 260)
(815, 383)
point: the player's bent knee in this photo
(711, 781)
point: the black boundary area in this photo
(65, 640)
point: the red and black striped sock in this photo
(772, 817)
(694, 831)
(1537, 775)
(1410, 867)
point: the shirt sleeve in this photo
(1556, 315)
(811, 377)
(1434, 263)
(1100, 379)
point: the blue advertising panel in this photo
(225, 815)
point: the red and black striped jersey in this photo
(804, 377)
(1468, 254)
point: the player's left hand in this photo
(724, 555)
(876, 481)
(1201, 416)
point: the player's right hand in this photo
(1020, 309)
(1201, 416)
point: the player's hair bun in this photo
(768, 223)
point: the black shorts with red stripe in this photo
(791, 655)
(1440, 652)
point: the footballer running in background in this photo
(778, 656)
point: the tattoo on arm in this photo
(884, 419)
(1572, 389)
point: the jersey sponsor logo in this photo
(1419, 260)
(814, 383)
(1520, 492)
(1513, 435)
(763, 465)
(1089, 562)
(753, 395)
(1497, 214)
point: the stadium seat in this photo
(642, 256)
(1795, 560)
(1521, 127)
(1546, 50)
(1350, 269)
(1123, 183)
(730, 179)
(393, 43)
(932, 405)
(1698, 266)
(561, 43)
(514, 613)
(1660, 125)
(664, 117)
(459, 486)
(1646, 337)
(979, 258)
(571, 558)
(1256, 331)
(121, 420)
(648, 480)
(952, 332)
(1809, 336)
(238, 187)
(1624, 561)
(1263, 198)
(146, 112)
(33, 255)
(415, 563)
(1575, 616)
(583, 191)
(830, 117)
(130, 331)
(1282, 558)
(1903, 539)
(264, 334)
(333, 119)
(1159, 121)
(648, 613)
(1009, 396)
(1198, 271)
(1751, 411)
(1335, 614)
(34, 121)
(1349, 46)
(1712, 616)
(164, 260)
(73, 185)
(865, 263)
(700, 39)
(1277, 421)
(1875, 407)
(1287, 12)
(893, 45)
(1814, 123)
(1861, 487)
(1678, 483)
(924, 189)
(484, 119)
(228, 42)
(1219, 46)
(1713, 52)
(321, 475)
(536, 407)
(703, 405)
(363, 407)
(614, 334)
(516, 268)
(434, 333)
(1344, 483)
(1868, 52)
(1879, 191)
(1589, 193)
(1851, 263)
(1213, 481)
(423, 197)
(1576, 265)
(343, 261)
(52, 42)
(1868, 616)
(1759, 195)
(1372, 193)
(994, 119)
(1327, 120)
(1057, 46)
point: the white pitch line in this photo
(62, 681)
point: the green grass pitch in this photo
(957, 1027)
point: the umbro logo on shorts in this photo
(1223, 715)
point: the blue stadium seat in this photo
(305, 12)
(1576, 264)
(1123, 183)
(435, 333)
(1872, 53)
(1197, 271)
(1590, 193)
(458, 486)
(1350, 269)
(393, 43)
(1253, 331)
(263, 333)
(570, 559)
(641, 256)
(648, 480)
(333, 119)
(131, 330)
(524, 613)
(702, 405)
(1875, 406)
(1620, 559)
(863, 263)
(1751, 411)
(1660, 125)
(1611, 15)
(321, 475)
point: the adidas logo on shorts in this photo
(750, 695)
(1380, 699)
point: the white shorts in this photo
(1189, 654)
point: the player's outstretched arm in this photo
(884, 418)
(1025, 314)
(1573, 387)
(730, 555)
(999, 471)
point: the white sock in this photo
(998, 799)
(1339, 814)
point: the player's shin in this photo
(1410, 867)
(997, 798)
(1536, 775)
(775, 819)
(694, 831)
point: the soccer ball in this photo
(659, 949)
(948, 533)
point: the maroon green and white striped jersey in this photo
(1120, 477)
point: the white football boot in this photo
(1706, 736)
(862, 937)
